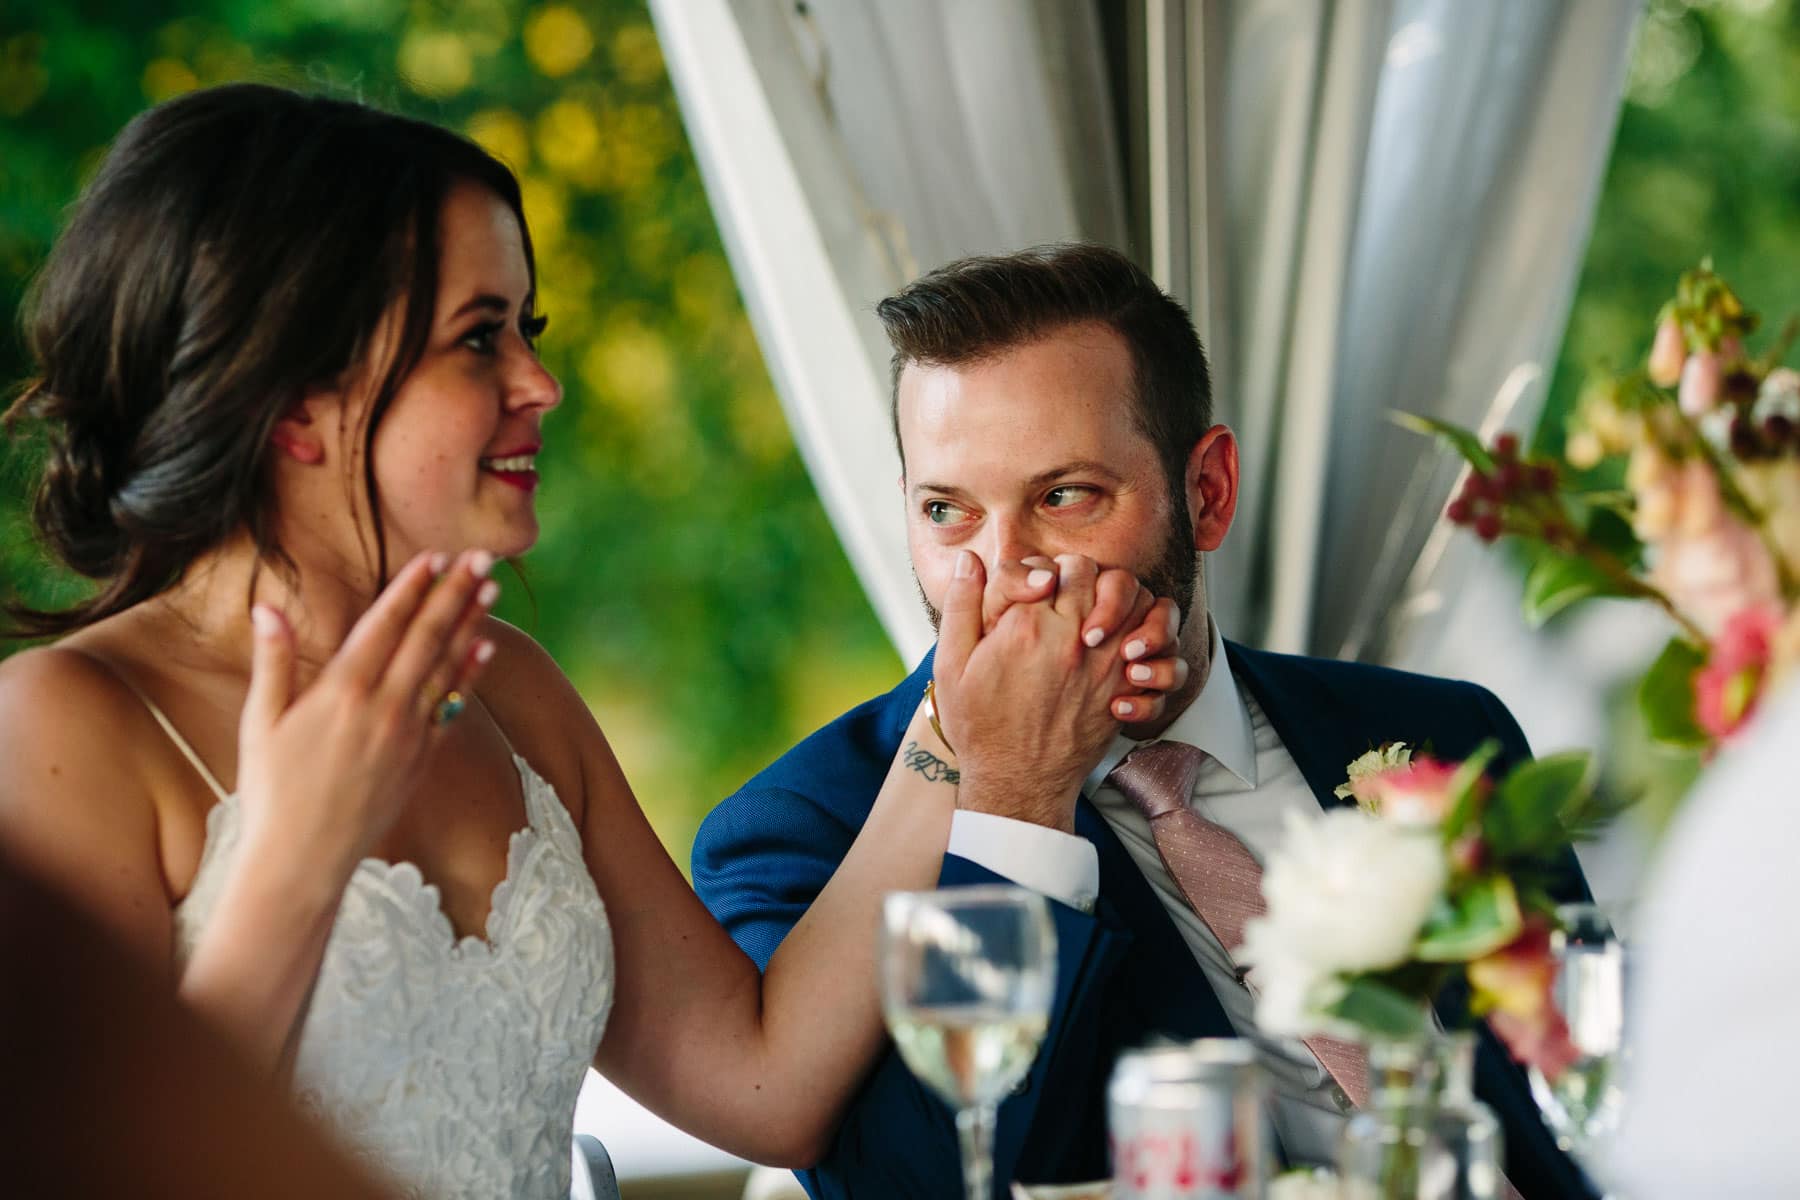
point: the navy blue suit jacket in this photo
(1125, 974)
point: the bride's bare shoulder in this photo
(74, 801)
(59, 701)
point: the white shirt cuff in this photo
(1060, 865)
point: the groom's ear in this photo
(1211, 486)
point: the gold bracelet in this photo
(931, 714)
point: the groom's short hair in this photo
(976, 308)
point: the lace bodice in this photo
(451, 1065)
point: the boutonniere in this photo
(1391, 781)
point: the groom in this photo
(1056, 402)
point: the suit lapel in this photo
(1163, 981)
(1320, 734)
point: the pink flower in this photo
(1701, 377)
(1708, 562)
(1543, 1043)
(1727, 688)
(1416, 793)
(1667, 354)
(1512, 985)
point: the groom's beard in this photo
(1171, 575)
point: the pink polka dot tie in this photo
(1220, 878)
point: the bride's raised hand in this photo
(1137, 627)
(325, 773)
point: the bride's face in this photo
(455, 453)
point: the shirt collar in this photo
(1217, 722)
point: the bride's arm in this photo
(763, 1065)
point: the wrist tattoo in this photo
(929, 765)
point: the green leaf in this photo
(1464, 787)
(1558, 581)
(1666, 696)
(1527, 814)
(1608, 525)
(1482, 919)
(1378, 1008)
(1454, 436)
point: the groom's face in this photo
(1037, 452)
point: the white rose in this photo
(1349, 892)
(1292, 995)
(1382, 758)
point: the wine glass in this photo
(967, 976)
(1582, 1104)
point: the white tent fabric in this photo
(1387, 201)
(846, 148)
(1404, 190)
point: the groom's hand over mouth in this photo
(1031, 691)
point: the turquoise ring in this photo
(449, 708)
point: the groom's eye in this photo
(1067, 494)
(942, 512)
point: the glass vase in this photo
(1422, 1135)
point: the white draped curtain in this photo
(1370, 205)
(846, 148)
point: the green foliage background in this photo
(687, 579)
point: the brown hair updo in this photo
(238, 246)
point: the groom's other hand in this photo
(1030, 705)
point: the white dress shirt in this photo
(1247, 784)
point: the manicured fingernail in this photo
(1124, 708)
(266, 623)
(484, 650)
(1039, 577)
(1138, 674)
(1134, 649)
(440, 562)
(1094, 637)
(965, 564)
(480, 563)
(487, 593)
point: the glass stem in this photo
(976, 1127)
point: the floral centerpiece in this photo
(1438, 872)
(1438, 876)
(1705, 439)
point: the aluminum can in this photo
(1185, 1122)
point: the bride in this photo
(286, 367)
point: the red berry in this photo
(1487, 526)
(1458, 511)
(1744, 442)
(1509, 476)
(1543, 477)
(1506, 446)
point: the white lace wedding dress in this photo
(450, 1066)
